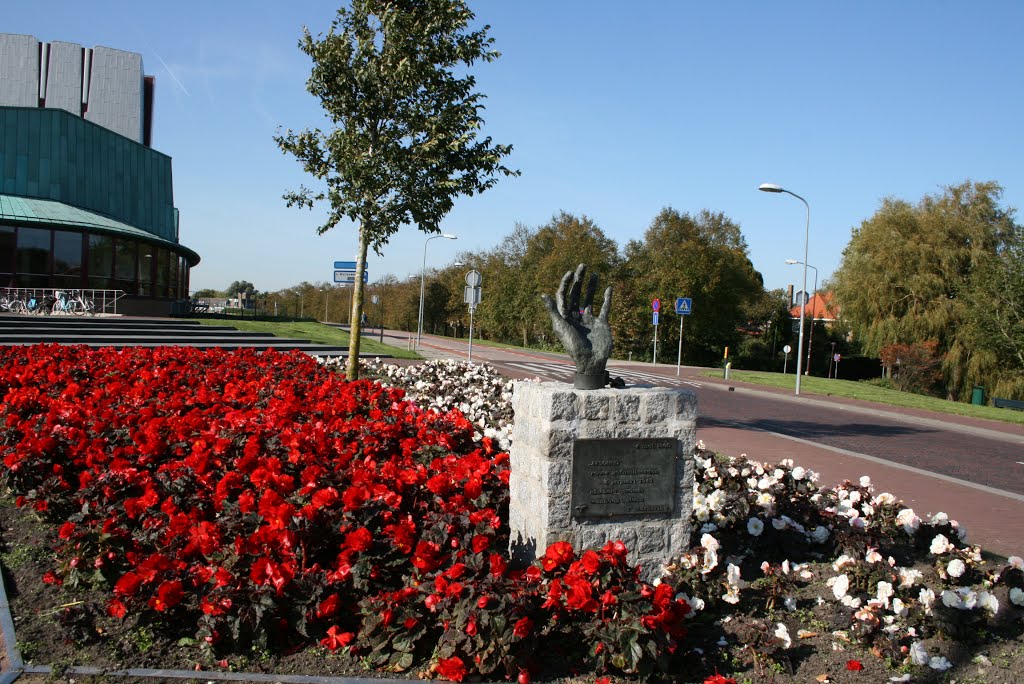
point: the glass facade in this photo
(52, 257)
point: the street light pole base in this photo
(590, 381)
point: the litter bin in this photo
(978, 396)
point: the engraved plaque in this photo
(623, 476)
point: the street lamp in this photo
(814, 308)
(772, 187)
(423, 281)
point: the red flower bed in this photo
(260, 499)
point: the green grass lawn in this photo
(312, 331)
(862, 390)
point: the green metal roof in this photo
(34, 211)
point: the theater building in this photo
(85, 201)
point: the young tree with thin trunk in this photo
(391, 77)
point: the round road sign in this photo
(656, 305)
(787, 349)
(473, 278)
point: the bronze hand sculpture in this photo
(587, 339)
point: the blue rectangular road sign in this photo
(684, 305)
(350, 276)
(345, 265)
(655, 318)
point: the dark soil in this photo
(61, 627)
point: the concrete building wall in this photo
(19, 70)
(64, 77)
(115, 92)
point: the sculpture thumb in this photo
(549, 304)
(607, 305)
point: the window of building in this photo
(33, 252)
(101, 261)
(7, 244)
(67, 259)
(125, 256)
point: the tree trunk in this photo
(356, 315)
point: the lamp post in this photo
(772, 187)
(814, 308)
(423, 282)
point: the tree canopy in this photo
(391, 77)
(703, 257)
(912, 272)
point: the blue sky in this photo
(615, 110)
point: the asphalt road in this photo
(970, 468)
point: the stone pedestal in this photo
(549, 418)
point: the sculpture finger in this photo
(574, 294)
(563, 287)
(607, 305)
(588, 298)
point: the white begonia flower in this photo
(865, 481)
(716, 499)
(939, 663)
(918, 653)
(708, 528)
(702, 514)
(872, 556)
(867, 510)
(939, 518)
(926, 597)
(908, 577)
(988, 601)
(885, 592)
(854, 496)
(899, 608)
(885, 498)
(783, 635)
(850, 601)
(764, 483)
(951, 599)
(842, 562)
(858, 523)
(1016, 562)
(840, 585)
(940, 545)
(710, 545)
(842, 494)
(779, 473)
(956, 568)
(779, 523)
(755, 527)
(759, 469)
(786, 567)
(752, 483)
(909, 520)
(798, 473)
(1017, 597)
(766, 501)
(813, 476)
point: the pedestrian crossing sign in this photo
(683, 306)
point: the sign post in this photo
(656, 307)
(683, 307)
(785, 361)
(472, 297)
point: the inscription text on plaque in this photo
(623, 476)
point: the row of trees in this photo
(943, 278)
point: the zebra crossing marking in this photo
(559, 370)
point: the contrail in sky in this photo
(166, 66)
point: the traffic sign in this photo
(836, 358)
(471, 295)
(350, 276)
(656, 305)
(787, 349)
(473, 278)
(345, 265)
(655, 316)
(684, 305)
